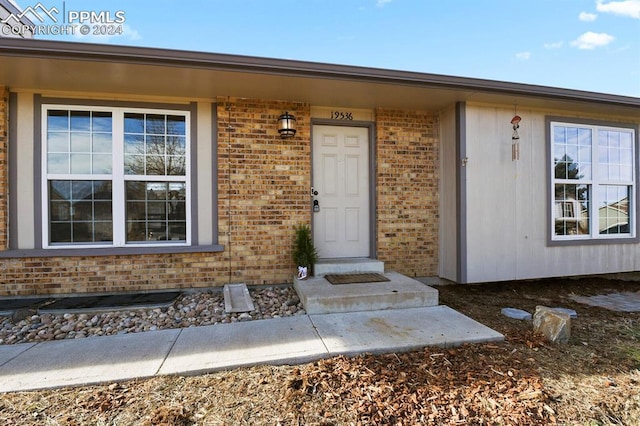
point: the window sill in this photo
(593, 241)
(109, 251)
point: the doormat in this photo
(355, 278)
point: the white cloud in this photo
(630, 8)
(131, 34)
(587, 17)
(127, 32)
(591, 40)
(381, 3)
(523, 56)
(554, 45)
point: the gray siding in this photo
(448, 196)
(507, 206)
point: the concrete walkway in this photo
(290, 340)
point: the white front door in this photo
(341, 179)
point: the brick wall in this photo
(61, 275)
(263, 192)
(264, 184)
(4, 171)
(407, 191)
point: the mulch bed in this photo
(467, 385)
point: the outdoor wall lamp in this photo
(286, 125)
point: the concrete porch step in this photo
(319, 296)
(347, 266)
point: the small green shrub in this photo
(304, 252)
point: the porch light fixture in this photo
(286, 125)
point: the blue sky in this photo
(591, 45)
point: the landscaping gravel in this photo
(189, 310)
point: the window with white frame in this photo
(115, 177)
(593, 181)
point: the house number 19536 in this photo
(341, 115)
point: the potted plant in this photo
(305, 254)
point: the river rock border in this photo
(189, 310)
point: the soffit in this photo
(126, 71)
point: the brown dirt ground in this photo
(592, 380)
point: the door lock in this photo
(313, 192)
(316, 206)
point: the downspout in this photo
(229, 215)
(461, 189)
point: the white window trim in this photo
(594, 182)
(117, 177)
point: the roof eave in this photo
(228, 62)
